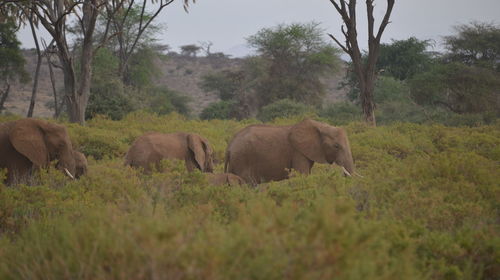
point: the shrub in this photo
(341, 113)
(284, 108)
(108, 100)
(163, 101)
(425, 208)
(218, 110)
(389, 89)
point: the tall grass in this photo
(428, 207)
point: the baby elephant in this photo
(225, 179)
(80, 164)
(149, 149)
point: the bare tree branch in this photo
(344, 48)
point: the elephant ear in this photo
(28, 138)
(195, 144)
(305, 137)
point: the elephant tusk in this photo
(357, 174)
(69, 174)
(346, 172)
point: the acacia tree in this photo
(290, 63)
(11, 60)
(365, 70)
(76, 67)
(133, 28)
(475, 44)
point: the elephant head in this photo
(322, 143)
(200, 153)
(80, 164)
(42, 142)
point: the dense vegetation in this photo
(459, 86)
(11, 61)
(426, 208)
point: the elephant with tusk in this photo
(28, 144)
(262, 153)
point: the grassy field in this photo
(428, 207)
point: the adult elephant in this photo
(149, 149)
(29, 144)
(262, 153)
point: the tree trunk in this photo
(368, 104)
(57, 110)
(4, 97)
(35, 88)
(37, 71)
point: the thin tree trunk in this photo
(79, 99)
(54, 91)
(37, 71)
(4, 96)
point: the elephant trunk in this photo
(347, 164)
(67, 164)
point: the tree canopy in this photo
(402, 59)
(291, 61)
(477, 43)
(11, 60)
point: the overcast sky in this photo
(226, 23)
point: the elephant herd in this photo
(256, 154)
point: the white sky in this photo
(227, 23)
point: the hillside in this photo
(179, 73)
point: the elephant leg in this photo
(19, 170)
(301, 163)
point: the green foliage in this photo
(163, 101)
(293, 58)
(284, 108)
(400, 60)
(425, 208)
(390, 89)
(11, 58)
(218, 110)
(110, 97)
(404, 58)
(107, 90)
(142, 68)
(225, 84)
(475, 44)
(459, 88)
(341, 113)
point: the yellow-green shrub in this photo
(426, 208)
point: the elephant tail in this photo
(226, 161)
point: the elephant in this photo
(225, 179)
(29, 144)
(149, 149)
(80, 164)
(262, 153)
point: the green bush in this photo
(425, 208)
(107, 93)
(163, 101)
(284, 108)
(388, 89)
(218, 110)
(341, 113)
(108, 100)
